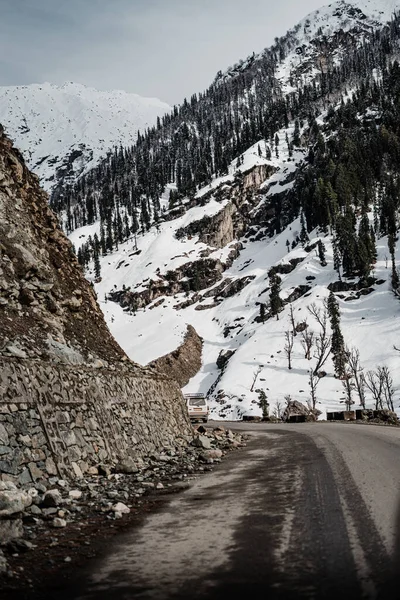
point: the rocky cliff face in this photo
(47, 308)
(183, 363)
(232, 222)
(70, 399)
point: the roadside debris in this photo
(58, 517)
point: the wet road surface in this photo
(305, 511)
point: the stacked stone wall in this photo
(64, 421)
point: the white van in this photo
(197, 407)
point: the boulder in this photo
(12, 500)
(121, 508)
(201, 429)
(75, 494)
(296, 409)
(213, 453)
(202, 441)
(127, 466)
(10, 529)
(52, 498)
(59, 523)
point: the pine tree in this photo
(337, 259)
(347, 241)
(97, 267)
(366, 246)
(303, 231)
(321, 253)
(296, 134)
(102, 240)
(395, 275)
(338, 347)
(109, 233)
(277, 145)
(145, 216)
(274, 296)
(263, 403)
(262, 312)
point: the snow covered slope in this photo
(69, 128)
(381, 10)
(230, 325)
(318, 39)
(319, 36)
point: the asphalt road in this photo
(305, 511)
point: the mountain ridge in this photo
(63, 131)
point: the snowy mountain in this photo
(286, 166)
(320, 40)
(230, 323)
(65, 130)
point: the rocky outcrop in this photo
(47, 308)
(216, 231)
(70, 399)
(190, 277)
(295, 410)
(234, 218)
(183, 363)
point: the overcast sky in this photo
(163, 48)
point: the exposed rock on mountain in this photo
(183, 363)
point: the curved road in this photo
(305, 511)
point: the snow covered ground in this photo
(370, 324)
(49, 122)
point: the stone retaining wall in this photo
(59, 420)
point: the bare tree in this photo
(321, 316)
(323, 341)
(323, 346)
(292, 320)
(356, 370)
(387, 386)
(288, 399)
(255, 376)
(375, 385)
(289, 347)
(307, 341)
(348, 388)
(278, 410)
(313, 382)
